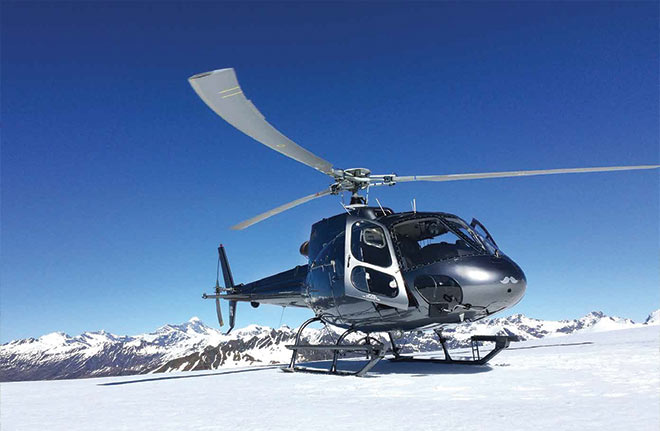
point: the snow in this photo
(584, 381)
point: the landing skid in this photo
(374, 354)
(501, 343)
(374, 350)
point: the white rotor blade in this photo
(279, 209)
(219, 89)
(457, 177)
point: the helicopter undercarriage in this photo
(375, 350)
(501, 342)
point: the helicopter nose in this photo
(495, 285)
(515, 286)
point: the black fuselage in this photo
(376, 270)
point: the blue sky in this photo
(118, 182)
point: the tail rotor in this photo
(229, 287)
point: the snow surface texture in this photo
(584, 381)
(195, 346)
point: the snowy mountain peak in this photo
(192, 326)
(196, 325)
(55, 338)
(254, 329)
(654, 318)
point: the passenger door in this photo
(372, 272)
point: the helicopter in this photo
(371, 269)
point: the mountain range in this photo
(196, 346)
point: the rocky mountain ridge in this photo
(196, 346)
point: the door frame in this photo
(400, 301)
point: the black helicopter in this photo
(372, 269)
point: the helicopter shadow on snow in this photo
(189, 376)
(413, 369)
(384, 367)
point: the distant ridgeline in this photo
(195, 346)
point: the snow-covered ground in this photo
(588, 380)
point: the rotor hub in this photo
(352, 179)
(358, 172)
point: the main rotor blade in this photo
(457, 177)
(219, 89)
(279, 209)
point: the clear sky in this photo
(118, 182)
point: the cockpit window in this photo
(373, 237)
(484, 236)
(427, 240)
(461, 227)
(368, 244)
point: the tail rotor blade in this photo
(218, 310)
(232, 316)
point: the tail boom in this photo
(284, 289)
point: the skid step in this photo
(501, 343)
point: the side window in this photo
(369, 245)
(368, 280)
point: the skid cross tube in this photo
(395, 349)
(335, 355)
(292, 364)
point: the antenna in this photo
(381, 207)
(282, 315)
(414, 205)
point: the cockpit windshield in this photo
(431, 239)
(485, 237)
(458, 225)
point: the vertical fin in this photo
(229, 284)
(226, 271)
